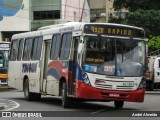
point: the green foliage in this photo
(149, 20)
(115, 20)
(153, 43)
(133, 5)
(144, 14)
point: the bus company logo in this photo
(29, 67)
(21, 114)
(6, 114)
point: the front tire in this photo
(118, 104)
(28, 95)
(65, 99)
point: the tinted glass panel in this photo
(14, 50)
(21, 42)
(37, 48)
(56, 42)
(27, 49)
(66, 44)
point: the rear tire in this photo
(66, 101)
(118, 104)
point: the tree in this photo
(147, 19)
(133, 5)
(153, 43)
(144, 14)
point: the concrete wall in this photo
(15, 15)
(96, 4)
(75, 10)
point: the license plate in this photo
(114, 95)
(130, 84)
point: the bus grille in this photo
(113, 85)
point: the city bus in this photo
(80, 61)
(4, 54)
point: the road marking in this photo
(9, 105)
(98, 111)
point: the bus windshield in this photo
(114, 56)
(3, 59)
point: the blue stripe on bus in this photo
(53, 72)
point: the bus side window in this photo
(37, 47)
(56, 42)
(27, 49)
(20, 49)
(14, 50)
(66, 45)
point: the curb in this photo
(1, 107)
(152, 92)
(5, 88)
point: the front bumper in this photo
(88, 92)
(3, 82)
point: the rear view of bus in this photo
(4, 52)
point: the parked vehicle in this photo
(4, 53)
(153, 73)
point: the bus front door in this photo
(74, 63)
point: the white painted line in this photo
(11, 103)
(98, 111)
(14, 107)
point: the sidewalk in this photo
(153, 92)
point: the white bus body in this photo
(69, 73)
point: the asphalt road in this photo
(50, 106)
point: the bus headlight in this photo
(86, 80)
(142, 84)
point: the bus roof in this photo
(60, 27)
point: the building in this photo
(27, 15)
(102, 10)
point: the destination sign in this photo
(4, 46)
(113, 30)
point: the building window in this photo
(46, 15)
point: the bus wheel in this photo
(118, 104)
(65, 98)
(28, 95)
